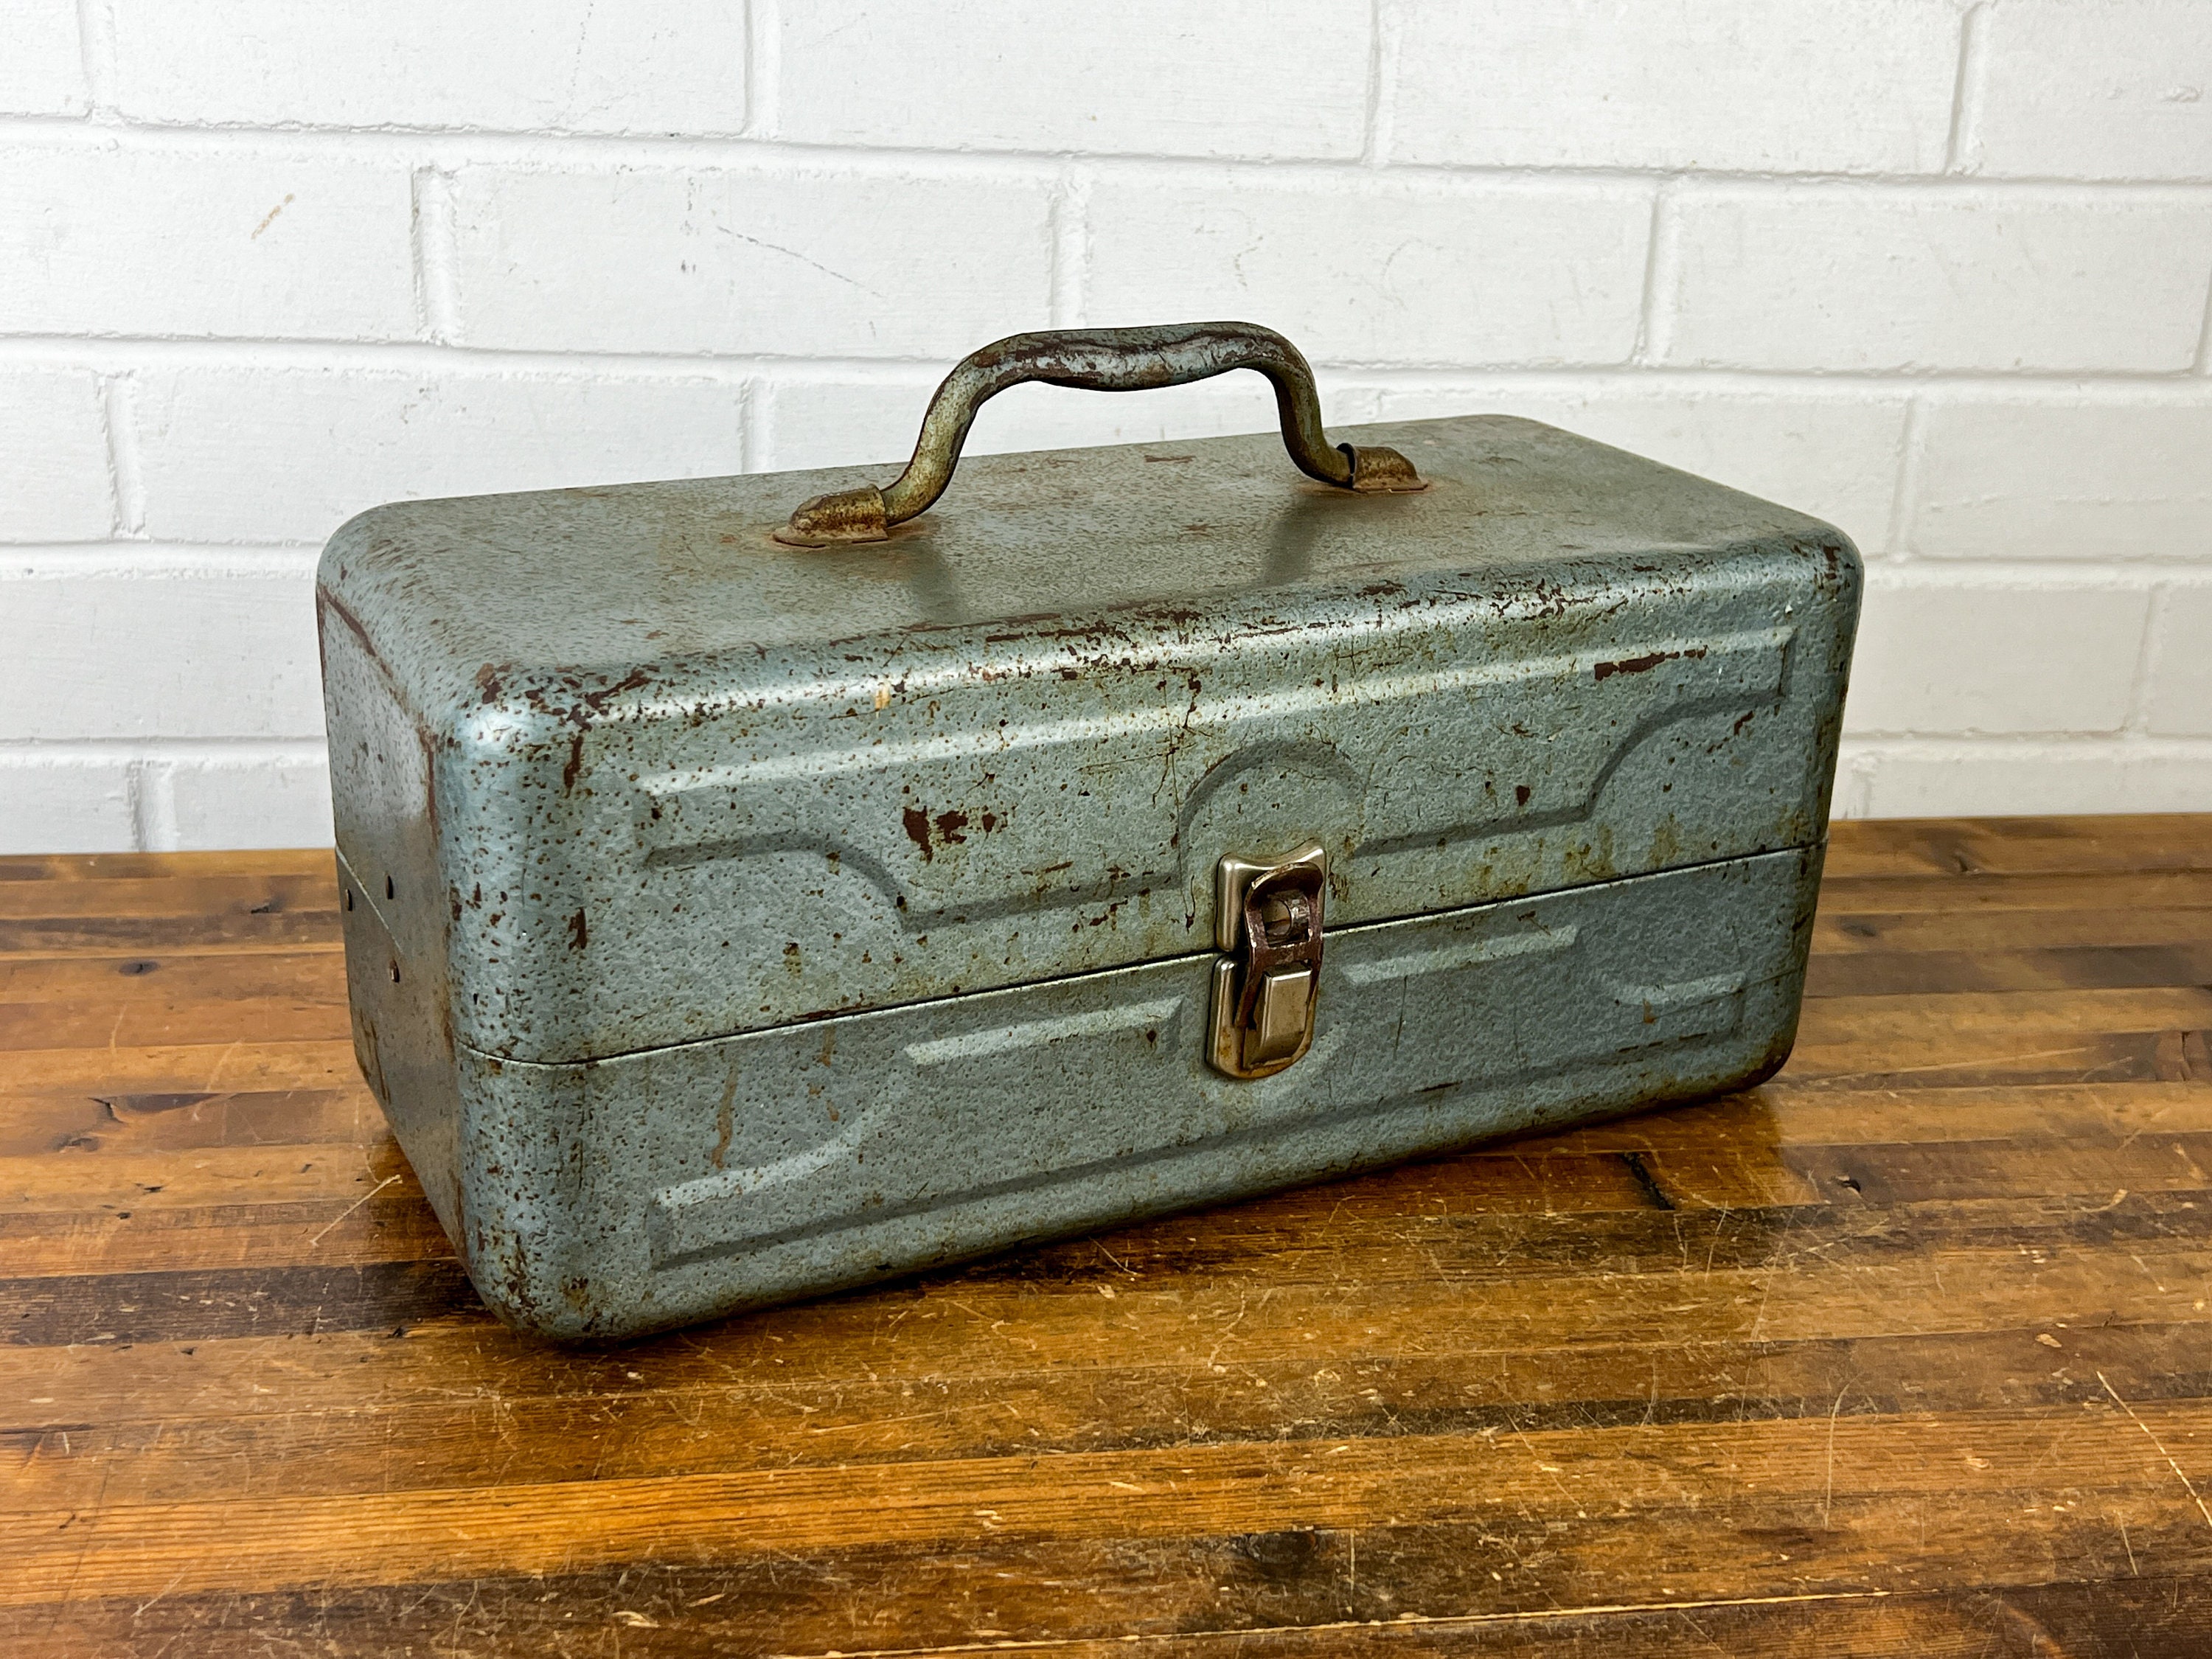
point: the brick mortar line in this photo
(95, 24)
(1379, 118)
(555, 151)
(234, 559)
(2142, 693)
(2055, 745)
(107, 751)
(404, 355)
(119, 420)
(1966, 88)
(1662, 290)
(1906, 480)
(763, 70)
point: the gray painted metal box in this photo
(728, 921)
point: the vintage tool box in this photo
(742, 903)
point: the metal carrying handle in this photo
(1097, 360)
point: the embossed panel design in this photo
(928, 1118)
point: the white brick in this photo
(770, 262)
(1943, 654)
(1847, 277)
(1155, 76)
(2181, 664)
(1835, 458)
(268, 454)
(247, 801)
(1382, 270)
(2111, 89)
(2022, 479)
(171, 656)
(129, 241)
(561, 65)
(42, 64)
(54, 481)
(1999, 779)
(831, 422)
(64, 803)
(1779, 86)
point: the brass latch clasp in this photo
(1266, 921)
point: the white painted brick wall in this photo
(42, 70)
(1384, 272)
(54, 482)
(126, 238)
(2092, 89)
(786, 261)
(673, 66)
(1872, 277)
(1938, 269)
(242, 454)
(1795, 85)
(1147, 78)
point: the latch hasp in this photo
(1267, 923)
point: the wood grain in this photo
(1906, 1353)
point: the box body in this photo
(728, 922)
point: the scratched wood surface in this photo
(1906, 1352)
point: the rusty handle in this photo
(1097, 360)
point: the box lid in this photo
(687, 781)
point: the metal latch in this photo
(1267, 920)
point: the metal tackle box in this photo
(757, 885)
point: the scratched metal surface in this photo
(690, 783)
(690, 1182)
(615, 772)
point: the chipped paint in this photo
(617, 776)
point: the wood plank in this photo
(180, 1068)
(978, 1600)
(48, 1025)
(1921, 973)
(2004, 1059)
(199, 1176)
(395, 1425)
(1729, 1156)
(128, 977)
(286, 931)
(168, 897)
(1525, 1279)
(73, 1121)
(2022, 846)
(2183, 890)
(311, 862)
(372, 1226)
(1877, 1022)
(1892, 931)
(1782, 1115)
(1970, 1473)
(910, 1339)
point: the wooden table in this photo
(1905, 1353)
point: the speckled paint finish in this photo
(628, 794)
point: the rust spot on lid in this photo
(1638, 664)
(917, 829)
